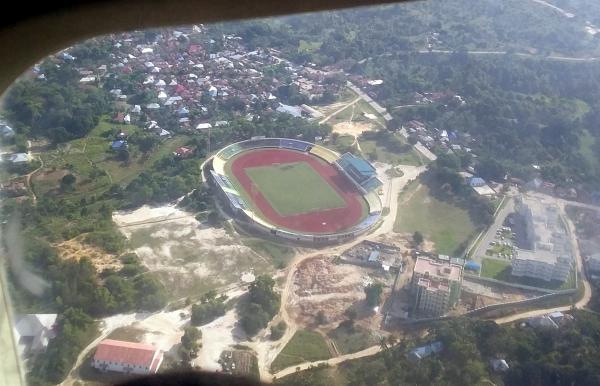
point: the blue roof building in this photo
(119, 145)
(360, 171)
(419, 353)
(476, 181)
(472, 265)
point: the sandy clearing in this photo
(146, 213)
(188, 256)
(352, 128)
(217, 336)
(164, 329)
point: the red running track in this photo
(324, 221)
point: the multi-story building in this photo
(436, 286)
(547, 254)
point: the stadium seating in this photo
(218, 164)
(326, 154)
(366, 223)
(295, 144)
(360, 171)
(236, 201)
(230, 151)
(374, 202)
(362, 174)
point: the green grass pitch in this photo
(294, 188)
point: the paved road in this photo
(490, 235)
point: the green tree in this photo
(278, 330)
(189, 343)
(373, 294)
(67, 182)
(417, 238)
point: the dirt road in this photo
(331, 362)
(390, 199)
(339, 110)
(267, 350)
(28, 180)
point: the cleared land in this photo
(294, 188)
(446, 225)
(305, 346)
(191, 258)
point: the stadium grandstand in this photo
(321, 152)
(360, 171)
(243, 205)
(374, 202)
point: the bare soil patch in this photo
(353, 128)
(322, 285)
(75, 249)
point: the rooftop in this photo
(433, 285)
(138, 354)
(549, 243)
(435, 269)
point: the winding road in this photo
(581, 303)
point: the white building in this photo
(594, 263)
(33, 332)
(436, 286)
(127, 357)
(548, 254)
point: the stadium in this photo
(296, 190)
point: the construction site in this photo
(324, 284)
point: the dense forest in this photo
(58, 108)
(565, 356)
(520, 110)
(516, 26)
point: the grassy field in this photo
(94, 165)
(362, 107)
(407, 158)
(447, 225)
(305, 346)
(129, 334)
(348, 341)
(280, 255)
(494, 268)
(304, 189)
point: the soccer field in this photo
(294, 188)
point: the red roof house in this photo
(183, 151)
(127, 357)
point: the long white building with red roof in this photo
(127, 357)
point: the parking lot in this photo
(503, 244)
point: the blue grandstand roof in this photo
(371, 183)
(361, 165)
